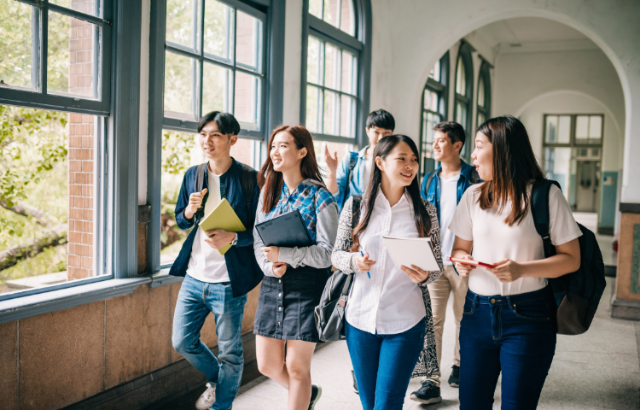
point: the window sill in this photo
(162, 278)
(33, 305)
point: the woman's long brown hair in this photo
(514, 168)
(420, 214)
(272, 181)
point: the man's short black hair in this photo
(381, 119)
(453, 130)
(227, 123)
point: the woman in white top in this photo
(388, 311)
(508, 324)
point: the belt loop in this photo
(475, 300)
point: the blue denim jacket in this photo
(244, 271)
(468, 176)
(357, 184)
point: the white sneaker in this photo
(207, 398)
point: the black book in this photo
(287, 231)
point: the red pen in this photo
(471, 262)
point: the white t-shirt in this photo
(494, 240)
(448, 204)
(206, 264)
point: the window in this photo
(463, 93)
(484, 95)
(434, 107)
(335, 62)
(572, 147)
(214, 61)
(55, 54)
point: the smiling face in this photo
(400, 166)
(284, 152)
(443, 149)
(482, 157)
(215, 144)
(375, 134)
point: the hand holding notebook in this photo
(222, 217)
(411, 251)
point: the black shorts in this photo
(286, 305)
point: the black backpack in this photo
(577, 294)
(247, 182)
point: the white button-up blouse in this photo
(389, 302)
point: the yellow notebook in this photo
(222, 217)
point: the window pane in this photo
(315, 8)
(557, 166)
(347, 17)
(461, 114)
(85, 6)
(331, 71)
(461, 80)
(70, 61)
(330, 118)
(564, 129)
(183, 22)
(435, 71)
(551, 129)
(313, 60)
(481, 102)
(53, 215)
(427, 99)
(180, 82)
(247, 96)
(16, 45)
(347, 116)
(331, 12)
(582, 129)
(248, 36)
(218, 29)
(348, 73)
(312, 109)
(595, 129)
(216, 89)
(481, 118)
(335, 148)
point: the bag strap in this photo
(429, 179)
(540, 212)
(248, 184)
(353, 157)
(355, 217)
(199, 186)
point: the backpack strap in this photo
(248, 184)
(353, 158)
(429, 180)
(540, 212)
(201, 171)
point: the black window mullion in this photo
(97, 61)
(200, 38)
(35, 48)
(232, 41)
(44, 46)
(77, 14)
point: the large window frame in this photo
(441, 89)
(116, 149)
(466, 99)
(359, 45)
(484, 79)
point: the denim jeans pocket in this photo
(534, 311)
(468, 306)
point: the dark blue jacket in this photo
(431, 193)
(244, 271)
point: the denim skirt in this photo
(286, 305)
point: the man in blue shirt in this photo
(343, 183)
(444, 188)
(213, 282)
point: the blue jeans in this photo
(195, 300)
(513, 334)
(383, 364)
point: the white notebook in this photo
(411, 251)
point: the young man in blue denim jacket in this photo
(380, 124)
(445, 188)
(213, 282)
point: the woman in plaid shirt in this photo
(294, 277)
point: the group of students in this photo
(505, 320)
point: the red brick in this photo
(87, 239)
(75, 213)
(83, 250)
(87, 166)
(87, 262)
(75, 142)
(87, 190)
(87, 214)
(73, 117)
(72, 249)
(86, 118)
(75, 166)
(84, 178)
(73, 260)
(88, 142)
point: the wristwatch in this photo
(235, 240)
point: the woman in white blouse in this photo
(508, 324)
(388, 311)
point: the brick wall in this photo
(81, 150)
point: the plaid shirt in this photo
(310, 198)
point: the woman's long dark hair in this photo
(514, 168)
(272, 180)
(420, 214)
